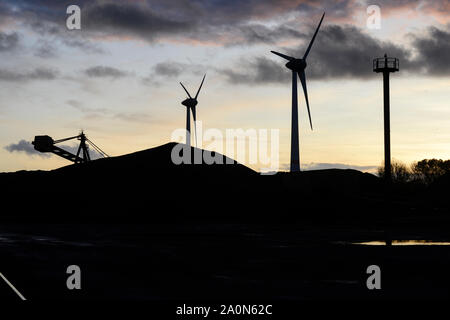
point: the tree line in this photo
(425, 171)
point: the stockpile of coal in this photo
(148, 186)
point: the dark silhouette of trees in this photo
(428, 170)
(424, 171)
(400, 172)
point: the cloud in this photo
(36, 74)
(133, 117)
(42, 74)
(438, 8)
(230, 22)
(53, 33)
(340, 51)
(222, 22)
(140, 21)
(105, 113)
(225, 22)
(253, 33)
(26, 147)
(74, 103)
(45, 49)
(170, 70)
(89, 111)
(433, 52)
(105, 72)
(85, 45)
(8, 42)
(347, 52)
(260, 70)
(323, 165)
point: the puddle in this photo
(405, 243)
(17, 239)
(341, 281)
(6, 240)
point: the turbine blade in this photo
(199, 88)
(283, 55)
(195, 124)
(314, 36)
(186, 90)
(302, 77)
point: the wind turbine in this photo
(190, 104)
(298, 66)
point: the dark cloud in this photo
(168, 69)
(45, 49)
(105, 72)
(26, 147)
(257, 33)
(347, 52)
(433, 52)
(257, 71)
(226, 22)
(340, 50)
(42, 74)
(8, 42)
(36, 74)
(48, 21)
(101, 18)
(413, 5)
(124, 19)
(199, 19)
(172, 69)
(221, 21)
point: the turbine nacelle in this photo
(296, 65)
(190, 102)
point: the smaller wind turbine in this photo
(190, 104)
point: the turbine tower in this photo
(386, 66)
(190, 104)
(298, 66)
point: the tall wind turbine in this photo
(190, 104)
(298, 66)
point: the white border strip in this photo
(12, 287)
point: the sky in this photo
(117, 78)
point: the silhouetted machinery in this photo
(47, 144)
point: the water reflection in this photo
(405, 243)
